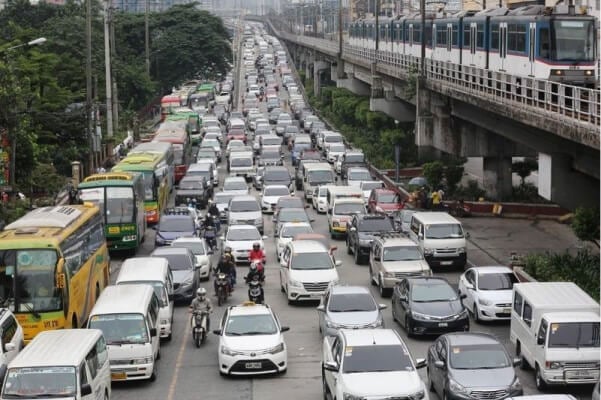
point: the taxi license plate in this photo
(118, 376)
(443, 324)
(253, 365)
(446, 262)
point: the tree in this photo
(524, 168)
(585, 224)
(453, 174)
(434, 172)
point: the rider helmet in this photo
(201, 293)
(256, 246)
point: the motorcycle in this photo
(210, 236)
(255, 291)
(222, 288)
(199, 327)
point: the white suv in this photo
(370, 364)
(307, 269)
(251, 341)
(12, 337)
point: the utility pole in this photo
(147, 38)
(89, 109)
(109, 86)
(340, 27)
(114, 80)
(422, 66)
(377, 11)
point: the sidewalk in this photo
(492, 240)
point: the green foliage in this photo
(434, 172)
(471, 192)
(586, 224)
(453, 174)
(582, 269)
(526, 193)
(524, 168)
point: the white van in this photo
(242, 164)
(555, 329)
(153, 271)
(339, 192)
(440, 238)
(128, 317)
(64, 363)
(316, 174)
(342, 211)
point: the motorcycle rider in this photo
(214, 211)
(256, 254)
(201, 303)
(255, 273)
(226, 266)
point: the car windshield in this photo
(306, 261)
(291, 231)
(190, 184)
(320, 176)
(244, 206)
(159, 289)
(402, 253)
(348, 208)
(270, 155)
(359, 176)
(371, 185)
(176, 225)
(500, 281)
(177, 262)
(276, 191)
(488, 356)
(196, 247)
(444, 231)
(239, 325)
(120, 328)
(272, 141)
(333, 139)
(290, 203)
(241, 162)
(271, 175)
(210, 143)
(574, 334)
(376, 358)
(388, 198)
(243, 234)
(432, 290)
(206, 154)
(376, 225)
(352, 302)
(223, 198)
(337, 148)
(40, 382)
(355, 158)
(292, 215)
(235, 185)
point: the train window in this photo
(494, 36)
(429, 35)
(480, 36)
(455, 35)
(441, 35)
(543, 44)
(516, 37)
(417, 33)
(466, 35)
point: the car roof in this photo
(241, 227)
(383, 190)
(470, 338)
(307, 246)
(176, 216)
(235, 178)
(159, 251)
(371, 337)
(344, 289)
(289, 224)
(421, 279)
(250, 309)
(357, 169)
(429, 217)
(275, 187)
(493, 269)
(397, 241)
(244, 197)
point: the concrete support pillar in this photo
(424, 127)
(340, 68)
(392, 106)
(496, 178)
(316, 81)
(559, 182)
(354, 85)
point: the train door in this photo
(434, 43)
(502, 45)
(532, 48)
(473, 39)
(449, 42)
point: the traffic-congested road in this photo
(187, 372)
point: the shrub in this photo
(434, 172)
(582, 269)
(586, 224)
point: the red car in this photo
(384, 201)
(235, 134)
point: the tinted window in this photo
(401, 253)
(352, 302)
(190, 184)
(176, 225)
(432, 290)
(291, 231)
(276, 191)
(376, 358)
(243, 234)
(496, 281)
(241, 162)
(375, 225)
(244, 206)
(444, 231)
(292, 215)
(271, 175)
(577, 334)
(487, 356)
(312, 261)
(250, 325)
(348, 208)
(178, 262)
(517, 304)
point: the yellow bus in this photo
(156, 187)
(54, 263)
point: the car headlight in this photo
(331, 324)
(462, 314)
(259, 221)
(388, 274)
(143, 360)
(428, 252)
(484, 302)
(461, 250)
(294, 283)
(553, 365)
(379, 209)
(335, 224)
(516, 385)
(456, 387)
(417, 395)
(159, 240)
(420, 316)
(348, 396)
(227, 352)
(277, 349)
(377, 323)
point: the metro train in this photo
(535, 41)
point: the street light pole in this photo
(108, 80)
(89, 107)
(340, 28)
(147, 38)
(422, 9)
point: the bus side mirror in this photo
(60, 274)
(153, 332)
(86, 389)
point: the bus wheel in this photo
(74, 322)
(97, 292)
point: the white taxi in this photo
(287, 232)
(251, 341)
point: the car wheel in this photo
(408, 326)
(357, 256)
(348, 246)
(430, 383)
(540, 383)
(444, 396)
(324, 385)
(394, 318)
(476, 314)
(383, 291)
(371, 276)
(523, 362)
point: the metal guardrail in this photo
(566, 105)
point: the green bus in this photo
(156, 188)
(120, 197)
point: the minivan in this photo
(440, 238)
(153, 271)
(65, 363)
(128, 317)
(245, 210)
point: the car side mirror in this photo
(217, 332)
(311, 219)
(439, 364)
(197, 266)
(283, 264)
(321, 308)
(377, 258)
(420, 363)
(153, 332)
(170, 297)
(9, 346)
(517, 362)
(221, 238)
(330, 366)
(540, 340)
(154, 228)
(382, 306)
(463, 296)
(467, 235)
(330, 211)
(86, 389)
(338, 263)
(284, 329)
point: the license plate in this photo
(507, 311)
(253, 365)
(316, 295)
(446, 263)
(443, 324)
(578, 374)
(114, 229)
(118, 376)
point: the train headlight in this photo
(588, 72)
(557, 72)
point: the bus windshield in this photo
(27, 280)
(121, 328)
(178, 151)
(43, 382)
(119, 205)
(149, 183)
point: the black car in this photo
(173, 226)
(351, 159)
(361, 230)
(193, 187)
(428, 305)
